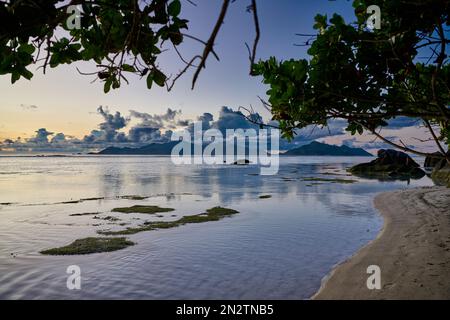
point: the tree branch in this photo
(210, 43)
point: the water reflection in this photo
(277, 248)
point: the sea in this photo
(292, 228)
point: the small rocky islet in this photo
(389, 165)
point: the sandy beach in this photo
(412, 251)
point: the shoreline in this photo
(412, 251)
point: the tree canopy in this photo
(368, 76)
(120, 36)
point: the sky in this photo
(62, 104)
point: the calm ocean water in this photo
(277, 248)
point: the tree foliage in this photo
(121, 36)
(368, 76)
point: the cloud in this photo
(115, 129)
(109, 128)
(59, 138)
(230, 119)
(158, 121)
(151, 127)
(144, 134)
(205, 119)
(403, 122)
(183, 123)
(335, 127)
(369, 145)
(28, 106)
(41, 136)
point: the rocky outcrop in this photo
(441, 173)
(390, 164)
(441, 176)
(431, 162)
(440, 169)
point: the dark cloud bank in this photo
(138, 129)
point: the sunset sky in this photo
(63, 101)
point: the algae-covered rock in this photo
(431, 162)
(390, 164)
(441, 175)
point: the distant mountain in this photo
(151, 149)
(313, 149)
(323, 149)
(159, 149)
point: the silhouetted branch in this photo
(210, 43)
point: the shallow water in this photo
(277, 248)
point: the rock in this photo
(390, 164)
(431, 162)
(241, 162)
(440, 169)
(441, 174)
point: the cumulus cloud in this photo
(158, 121)
(7, 142)
(153, 128)
(41, 136)
(109, 128)
(144, 134)
(230, 119)
(140, 128)
(59, 138)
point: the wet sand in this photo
(412, 251)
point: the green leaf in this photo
(27, 74)
(174, 8)
(26, 48)
(159, 77)
(150, 80)
(107, 86)
(15, 76)
(360, 129)
(128, 68)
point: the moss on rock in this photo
(213, 214)
(143, 209)
(90, 245)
